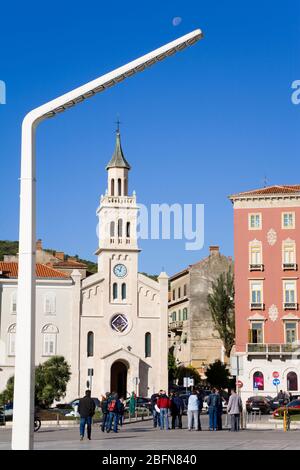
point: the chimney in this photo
(60, 255)
(39, 245)
(214, 250)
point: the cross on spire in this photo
(118, 122)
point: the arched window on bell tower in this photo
(112, 187)
(120, 228)
(123, 291)
(128, 229)
(115, 291)
(112, 229)
(119, 187)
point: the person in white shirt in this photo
(192, 411)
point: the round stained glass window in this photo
(119, 323)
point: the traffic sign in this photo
(275, 375)
(240, 384)
(276, 382)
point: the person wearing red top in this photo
(164, 405)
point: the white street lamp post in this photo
(23, 417)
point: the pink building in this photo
(266, 252)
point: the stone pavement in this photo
(142, 436)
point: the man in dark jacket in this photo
(213, 402)
(86, 409)
(177, 408)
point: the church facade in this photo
(115, 333)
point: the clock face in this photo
(120, 270)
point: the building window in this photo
(128, 229)
(120, 228)
(258, 381)
(256, 295)
(256, 335)
(174, 316)
(185, 314)
(173, 294)
(49, 340)
(255, 255)
(14, 302)
(290, 332)
(112, 187)
(289, 254)
(179, 315)
(179, 292)
(185, 290)
(288, 220)
(90, 344)
(115, 291)
(289, 295)
(119, 187)
(148, 345)
(123, 291)
(292, 382)
(49, 303)
(12, 340)
(112, 229)
(255, 221)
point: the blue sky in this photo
(208, 122)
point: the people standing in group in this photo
(113, 407)
(213, 402)
(163, 403)
(234, 409)
(193, 411)
(105, 412)
(177, 409)
(155, 409)
(86, 410)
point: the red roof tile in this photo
(42, 271)
(68, 264)
(269, 190)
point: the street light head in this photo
(110, 79)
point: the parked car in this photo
(258, 403)
(293, 407)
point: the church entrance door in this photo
(118, 378)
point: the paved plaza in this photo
(141, 436)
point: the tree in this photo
(188, 372)
(51, 379)
(221, 306)
(172, 367)
(218, 375)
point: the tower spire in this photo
(118, 160)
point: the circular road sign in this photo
(276, 382)
(275, 375)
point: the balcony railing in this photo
(272, 349)
(289, 267)
(290, 306)
(257, 306)
(256, 267)
(176, 325)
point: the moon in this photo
(176, 20)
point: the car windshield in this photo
(257, 398)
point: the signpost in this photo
(276, 382)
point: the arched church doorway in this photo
(118, 378)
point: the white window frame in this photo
(285, 330)
(289, 281)
(13, 302)
(261, 290)
(49, 333)
(50, 303)
(262, 323)
(289, 227)
(292, 249)
(11, 350)
(255, 245)
(252, 214)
